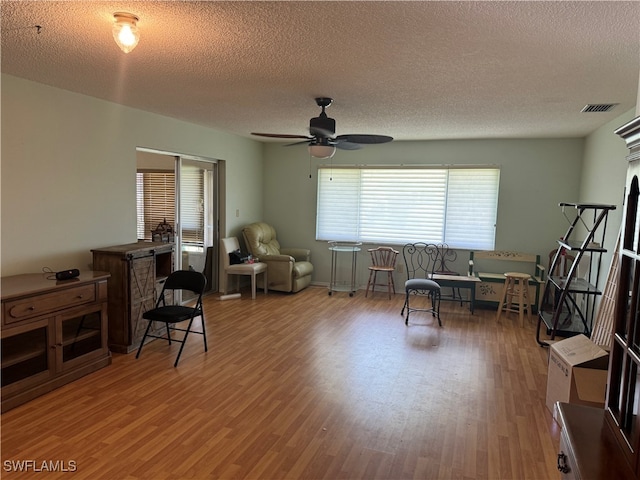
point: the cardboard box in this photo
(577, 373)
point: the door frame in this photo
(177, 158)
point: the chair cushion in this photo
(246, 268)
(170, 314)
(261, 239)
(301, 269)
(421, 284)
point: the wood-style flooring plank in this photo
(306, 386)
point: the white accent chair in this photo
(229, 245)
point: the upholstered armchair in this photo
(289, 269)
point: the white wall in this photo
(68, 173)
(536, 174)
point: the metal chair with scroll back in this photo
(421, 260)
(445, 255)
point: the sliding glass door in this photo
(179, 194)
(197, 220)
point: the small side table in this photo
(344, 247)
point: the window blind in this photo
(156, 201)
(396, 205)
(192, 204)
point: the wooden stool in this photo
(515, 285)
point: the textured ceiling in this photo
(412, 70)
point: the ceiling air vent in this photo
(599, 107)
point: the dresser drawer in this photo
(566, 462)
(22, 309)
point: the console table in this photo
(458, 281)
(53, 332)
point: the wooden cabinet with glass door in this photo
(604, 444)
(623, 394)
(53, 332)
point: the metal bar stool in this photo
(516, 286)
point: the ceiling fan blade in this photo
(281, 135)
(344, 145)
(298, 143)
(366, 139)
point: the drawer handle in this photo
(563, 467)
(32, 308)
(80, 297)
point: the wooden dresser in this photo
(53, 332)
(588, 447)
(137, 273)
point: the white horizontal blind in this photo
(402, 205)
(457, 206)
(156, 201)
(192, 204)
(472, 208)
(140, 206)
(338, 204)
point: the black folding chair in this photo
(170, 315)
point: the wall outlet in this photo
(400, 268)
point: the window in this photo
(156, 201)
(396, 205)
(192, 206)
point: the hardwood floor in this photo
(305, 386)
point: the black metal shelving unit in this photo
(568, 303)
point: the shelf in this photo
(577, 245)
(578, 285)
(569, 324)
(83, 335)
(22, 356)
(568, 302)
(342, 288)
(24, 347)
(590, 206)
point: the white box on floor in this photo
(577, 373)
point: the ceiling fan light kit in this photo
(323, 140)
(322, 151)
(125, 31)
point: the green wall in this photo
(603, 176)
(68, 178)
(68, 173)
(536, 175)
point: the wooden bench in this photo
(490, 266)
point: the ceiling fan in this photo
(323, 140)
